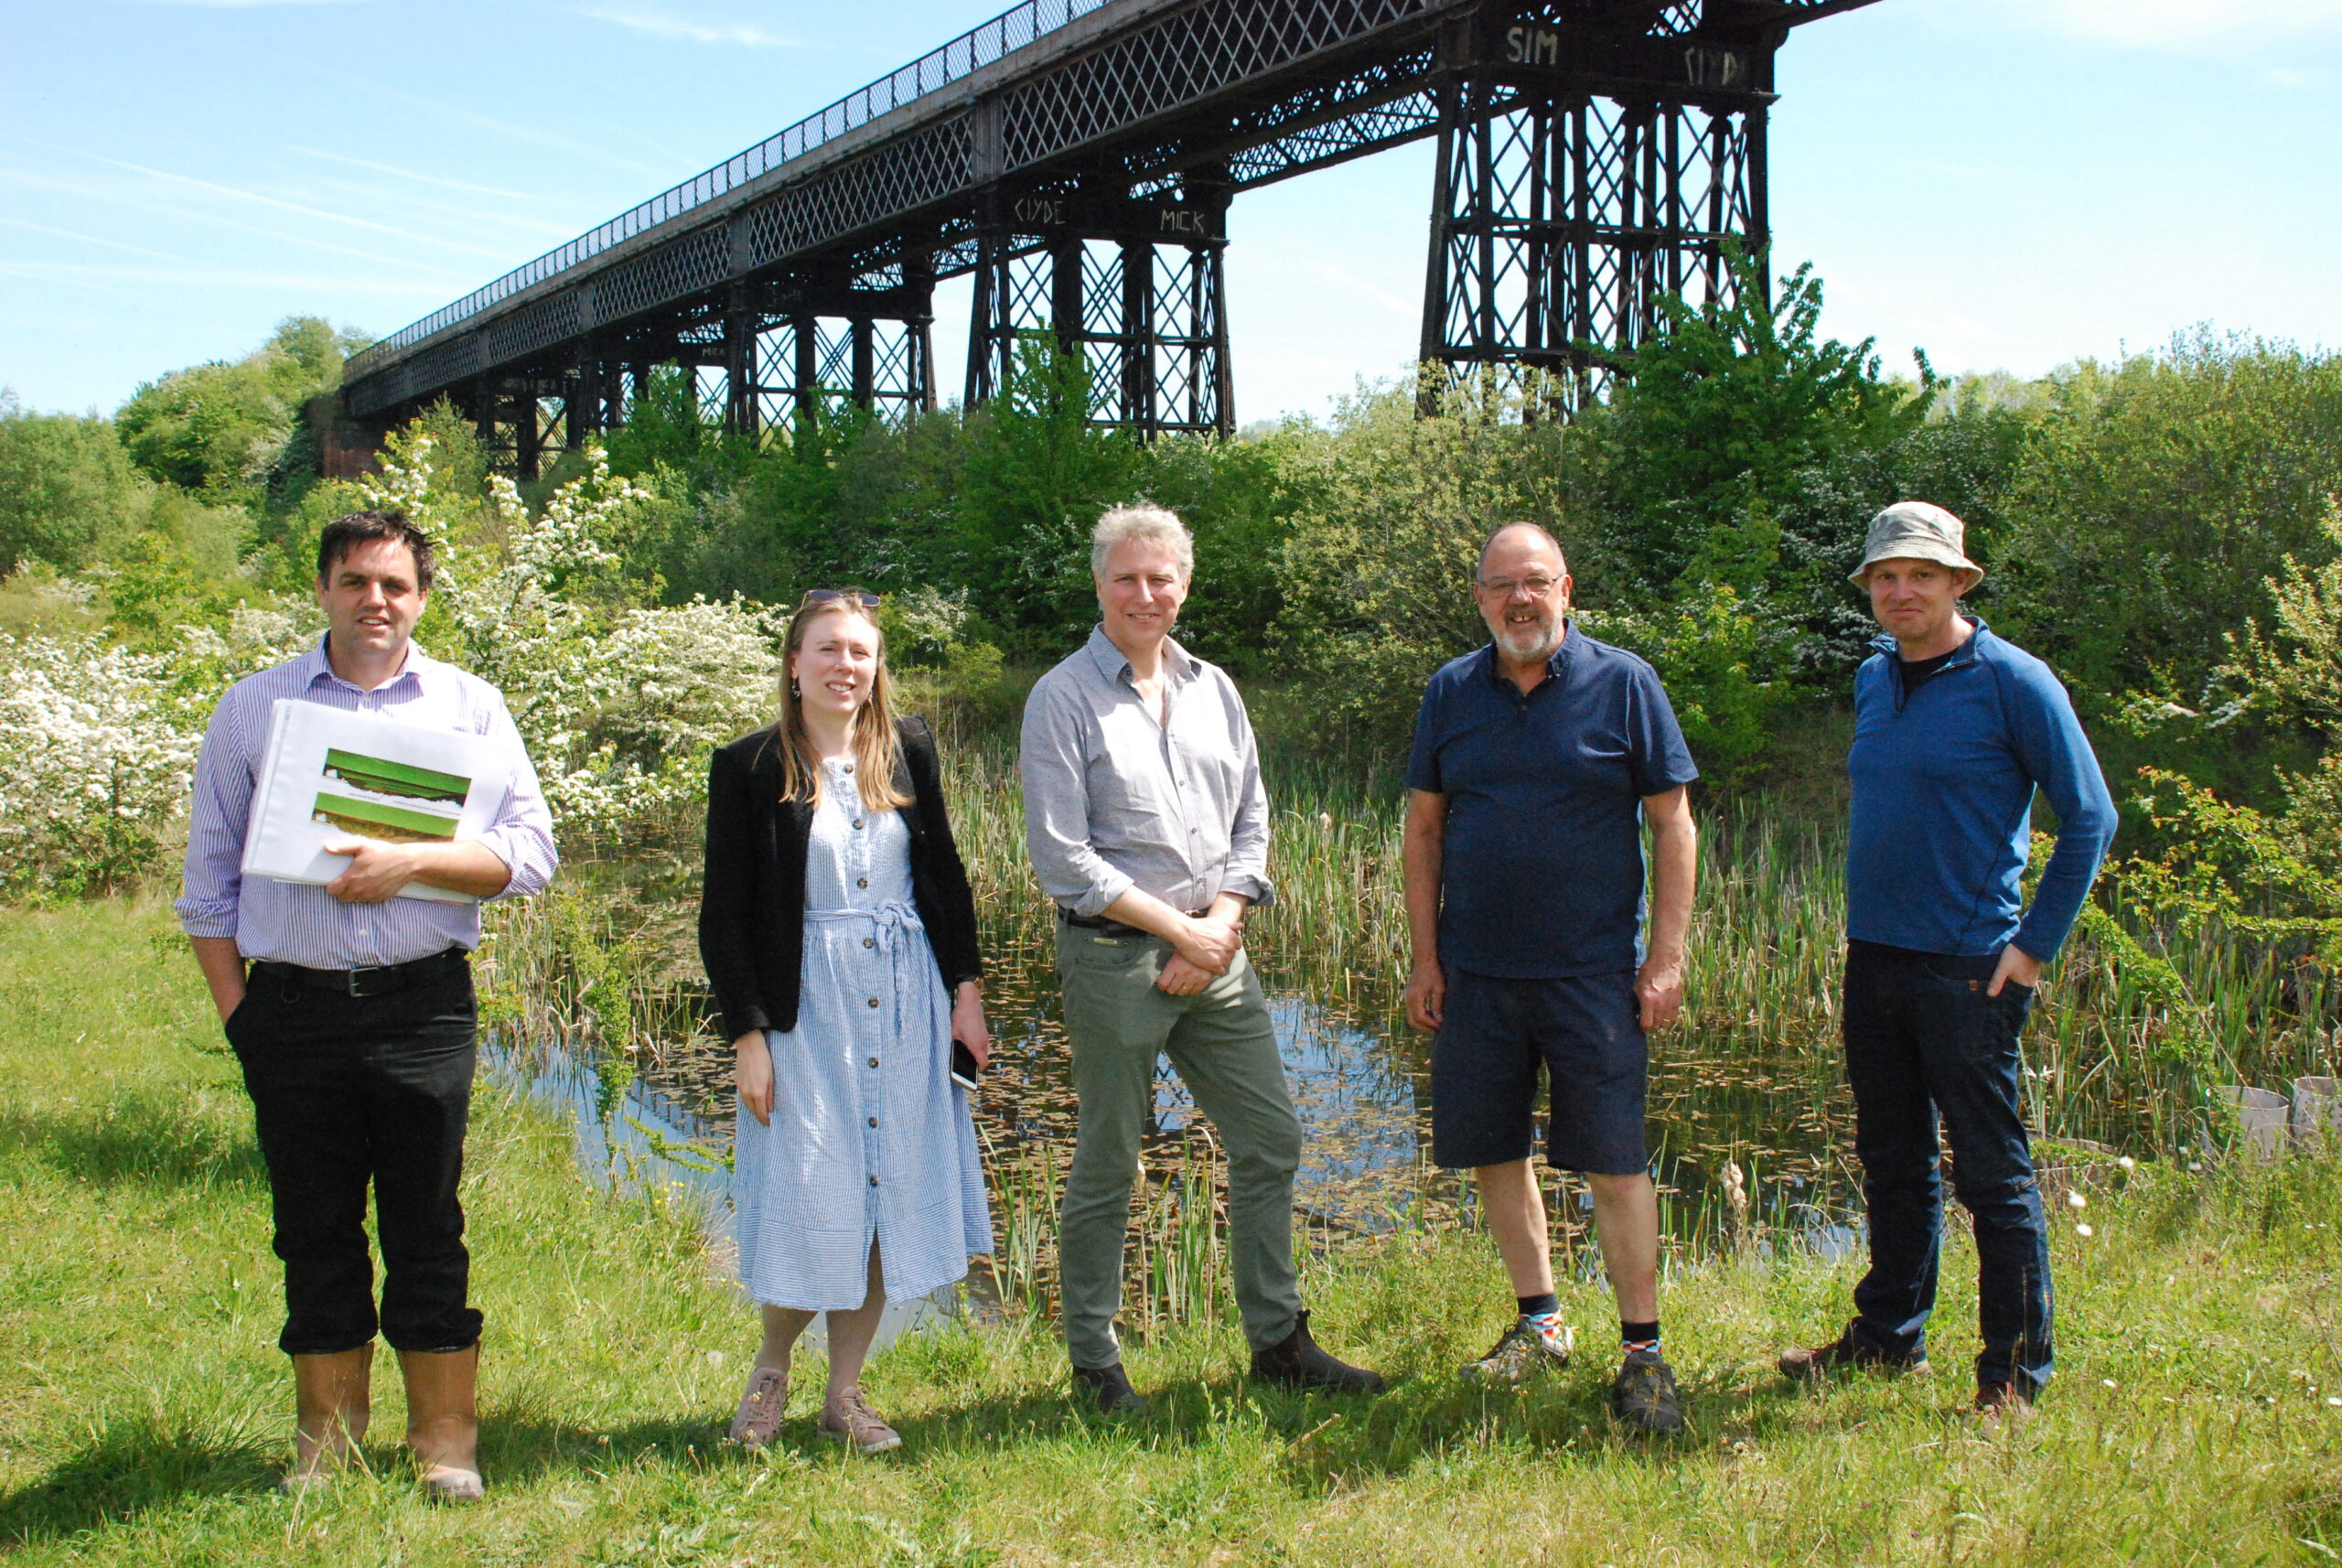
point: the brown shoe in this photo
(761, 1407)
(2004, 1402)
(443, 1420)
(332, 1398)
(849, 1420)
(1842, 1354)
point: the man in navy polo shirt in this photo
(1537, 762)
(1954, 731)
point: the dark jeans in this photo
(1923, 1040)
(348, 1091)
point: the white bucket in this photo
(2263, 1116)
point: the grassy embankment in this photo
(145, 1410)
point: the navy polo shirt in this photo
(1542, 866)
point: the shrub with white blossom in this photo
(617, 705)
(617, 701)
(95, 760)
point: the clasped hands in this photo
(1207, 944)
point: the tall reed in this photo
(2132, 1033)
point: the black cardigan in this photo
(752, 909)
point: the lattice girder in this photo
(1592, 153)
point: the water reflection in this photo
(1719, 1096)
(650, 1140)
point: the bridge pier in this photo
(1561, 213)
(1133, 285)
(795, 348)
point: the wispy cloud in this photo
(414, 175)
(216, 277)
(2165, 24)
(562, 140)
(112, 196)
(301, 208)
(395, 203)
(86, 239)
(682, 27)
(248, 4)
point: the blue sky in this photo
(2009, 184)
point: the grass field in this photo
(143, 1411)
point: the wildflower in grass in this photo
(2076, 1200)
(2110, 1382)
(2127, 1163)
(2084, 1231)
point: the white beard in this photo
(1529, 643)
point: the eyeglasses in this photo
(867, 601)
(1535, 587)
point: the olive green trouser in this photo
(1225, 1050)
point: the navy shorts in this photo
(1586, 1032)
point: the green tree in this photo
(2157, 501)
(1034, 476)
(2293, 674)
(1963, 457)
(224, 428)
(1239, 497)
(67, 488)
(1728, 406)
(1386, 539)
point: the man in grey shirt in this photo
(1147, 824)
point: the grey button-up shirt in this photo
(1114, 801)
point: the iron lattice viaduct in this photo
(1078, 157)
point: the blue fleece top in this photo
(1943, 803)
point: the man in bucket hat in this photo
(1954, 731)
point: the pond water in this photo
(647, 1140)
(1361, 1081)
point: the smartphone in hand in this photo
(964, 1066)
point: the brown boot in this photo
(331, 1399)
(443, 1420)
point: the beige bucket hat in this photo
(1916, 530)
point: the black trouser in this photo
(352, 1090)
(1923, 1041)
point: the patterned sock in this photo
(1543, 1314)
(1639, 1335)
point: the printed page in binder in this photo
(331, 776)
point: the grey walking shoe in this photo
(1644, 1396)
(761, 1407)
(850, 1420)
(1525, 1352)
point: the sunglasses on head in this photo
(868, 601)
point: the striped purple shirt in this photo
(294, 923)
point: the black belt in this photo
(1114, 928)
(379, 982)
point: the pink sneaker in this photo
(761, 1407)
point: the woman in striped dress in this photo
(840, 937)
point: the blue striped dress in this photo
(869, 1138)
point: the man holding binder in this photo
(351, 1012)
